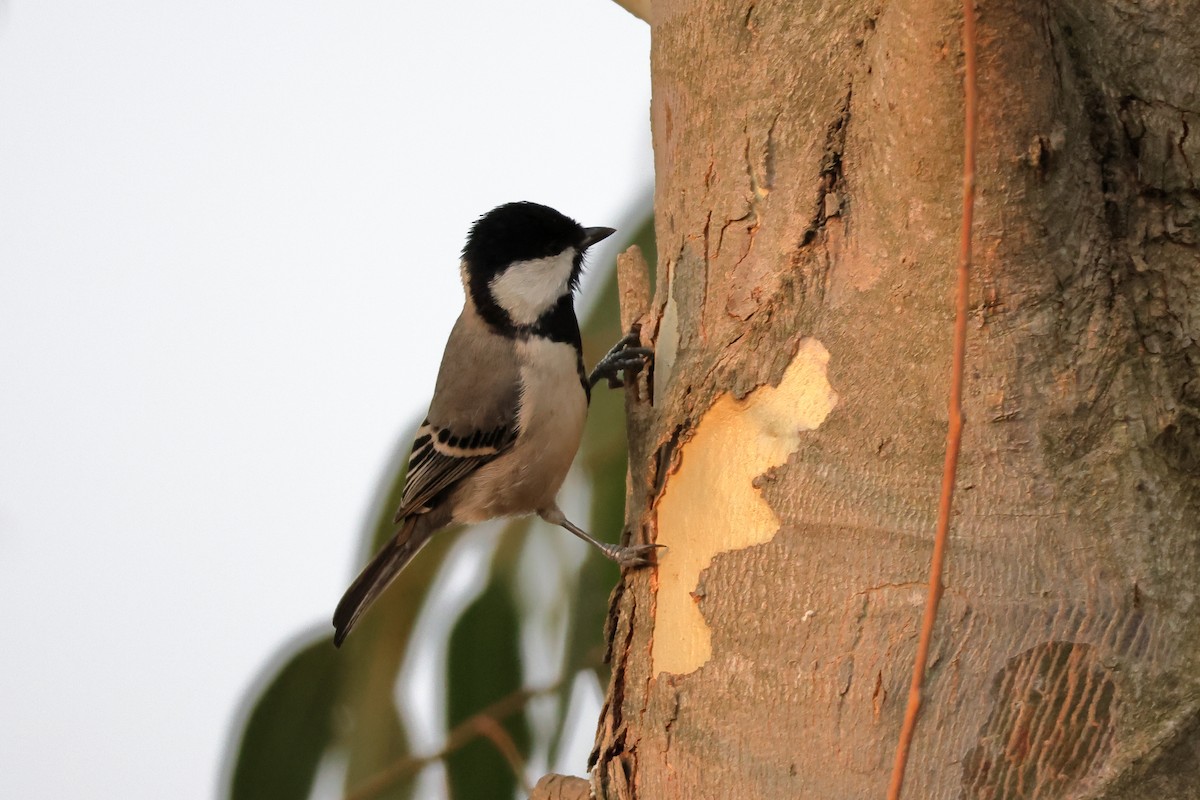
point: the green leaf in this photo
(289, 727)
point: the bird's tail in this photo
(379, 574)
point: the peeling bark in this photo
(808, 187)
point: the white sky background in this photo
(229, 236)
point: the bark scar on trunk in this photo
(735, 442)
(1052, 719)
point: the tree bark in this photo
(808, 163)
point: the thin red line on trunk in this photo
(954, 435)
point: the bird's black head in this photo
(522, 262)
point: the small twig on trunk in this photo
(954, 435)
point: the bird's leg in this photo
(624, 356)
(632, 555)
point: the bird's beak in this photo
(593, 235)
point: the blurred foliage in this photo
(486, 642)
(290, 727)
(315, 704)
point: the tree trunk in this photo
(809, 162)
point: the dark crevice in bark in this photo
(830, 176)
(663, 458)
(610, 622)
(611, 739)
(1182, 145)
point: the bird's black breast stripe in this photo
(583, 378)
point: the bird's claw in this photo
(625, 356)
(633, 555)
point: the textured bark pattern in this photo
(561, 787)
(808, 163)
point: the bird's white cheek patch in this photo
(710, 505)
(527, 289)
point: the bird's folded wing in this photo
(473, 416)
(441, 457)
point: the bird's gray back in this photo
(479, 384)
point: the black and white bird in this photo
(511, 395)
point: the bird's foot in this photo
(626, 356)
(627, 555)
(633, 555)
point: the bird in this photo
(510, 399)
